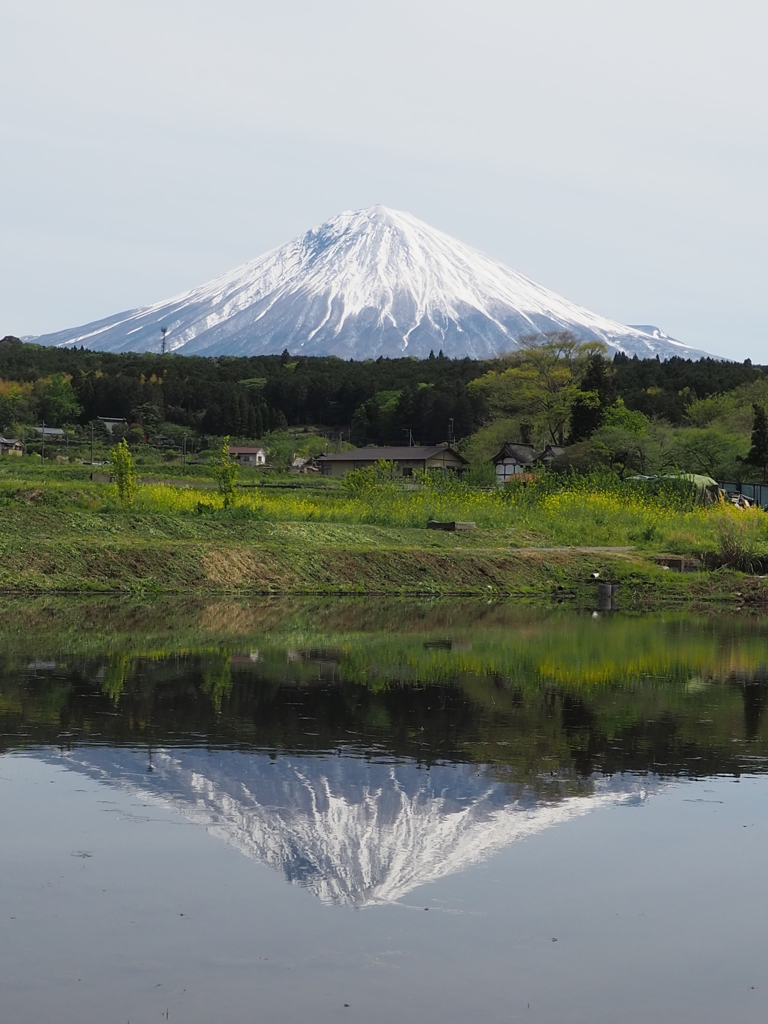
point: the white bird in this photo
(595, 575)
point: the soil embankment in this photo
(289, 565)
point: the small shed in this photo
(54, 432)
(249, 456)
(513, 459)
(416, 459)
(11, 446)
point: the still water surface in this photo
(321, 811)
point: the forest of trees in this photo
(239, 396)
(555, 389)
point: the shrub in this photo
(358, 481)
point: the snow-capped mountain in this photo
(351, 830)
(366, 283)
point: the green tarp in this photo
(707, 490)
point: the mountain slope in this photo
(364, 284)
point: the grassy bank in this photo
(62, 532)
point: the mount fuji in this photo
(368, 283)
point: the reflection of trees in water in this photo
(550, 739)
(217, 678)
(118, 668)
(755, 696)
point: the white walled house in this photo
(249, 456)
(514, 459)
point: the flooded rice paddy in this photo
(395, 810)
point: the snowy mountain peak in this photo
(365, 283)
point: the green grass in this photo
(61, 531)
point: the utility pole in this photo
(184, 450)
(43, 436)
(91, 442)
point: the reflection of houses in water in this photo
(325, 661)
(352, 830)
(447, 645)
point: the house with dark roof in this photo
(110, 422)
(513, 459)
(551, 452)
(11, 446)
(416, 459)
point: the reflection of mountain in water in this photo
(351, 830)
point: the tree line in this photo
(556, 387)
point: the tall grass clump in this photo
(741, 538)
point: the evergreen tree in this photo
(243, 419)
(253, 428)
(758, 453)
(598, 393)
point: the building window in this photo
(407, 471)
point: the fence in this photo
(758, 492)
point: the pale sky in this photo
(614, 151)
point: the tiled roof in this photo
(398, 454)
(525, 454)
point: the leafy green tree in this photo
(758, 453)
(541, 381)
(708, 450)
(125, 473)
(16, 404)
(625, 442)
(225, 474)
(58, 403)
